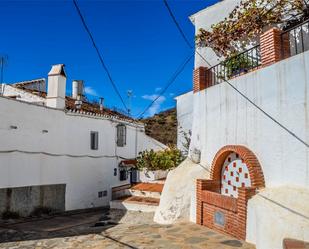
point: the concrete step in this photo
(152, 190)
(136, 203)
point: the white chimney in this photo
(77, 89)
(101, 104)
(56, 87)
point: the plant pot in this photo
(149, 176)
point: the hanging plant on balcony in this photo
(247, 20)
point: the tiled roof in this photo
(28, 82)
(86, 107)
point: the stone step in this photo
(136, 203)
(152, 190)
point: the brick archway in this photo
(249, 158)
(225, 211)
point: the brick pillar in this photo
(244, 194)
(200, 186)
(273, 48)
(199, 79)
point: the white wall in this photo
(184, 117)
(68, 133)
(221, 116)
(9, 91)
(205, 19)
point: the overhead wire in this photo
(229, 83)
(98, 53)
(169, 83)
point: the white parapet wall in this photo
(42, 146)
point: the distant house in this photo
(60, 151)
(249, 131)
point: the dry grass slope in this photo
(162, 126)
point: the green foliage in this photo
(247, 21)
(187, 140)
(238, 64)
(159, 160)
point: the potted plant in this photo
(156, 164)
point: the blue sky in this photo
(138, 40)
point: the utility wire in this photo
(98, 52)
(170, 82)
(177, 24)
(59, 155)
(231, 85)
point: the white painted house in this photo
(59, 151)
(251, 168)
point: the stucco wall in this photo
(9, 91)
(184, 117)
(221, 116)
(68, 133)
(204, 19)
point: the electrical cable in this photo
(170, 82)
(98, 52)
(230, 84)
(59, 155)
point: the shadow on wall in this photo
(32, 200)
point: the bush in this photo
(10, 215)
(159, 160)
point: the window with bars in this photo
(94, 140)
(121, 135)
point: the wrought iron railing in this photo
(295, 40)
(234, 66)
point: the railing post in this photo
(199, 79)
(272, 46)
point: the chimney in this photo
(101, 104)
(56, 87)
(77, 89)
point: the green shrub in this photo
(159, 160)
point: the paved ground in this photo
(134, 230)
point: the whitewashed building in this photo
(60, 152)
(249, 141)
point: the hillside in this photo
(163, 126)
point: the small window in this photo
(94, 140)
(123, 175)
(121, 135)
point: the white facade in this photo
(66, 137)
(205, 19)
(43, 143)
(184, 117)
(221, 116)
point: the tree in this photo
(247, 20)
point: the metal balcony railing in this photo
(295, 40)
(234, 66)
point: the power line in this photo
(231, 85)
(98, 52)
(170, 82)
(177, 24)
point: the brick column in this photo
(200, 186)
(244, 194)
(199, 79)
(273, 47)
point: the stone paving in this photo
(143, 234)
